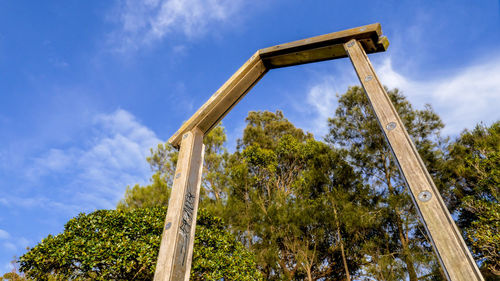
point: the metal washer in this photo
(424, 196)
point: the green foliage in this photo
(163, 161)
(474, 172)
(12, 276)
(214, 180)
(267, 128)
(301, 209)
(398, 247)
(280, 185)
(155, 194)
(217, 255)
(123, 245)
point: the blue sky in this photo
(87, 87)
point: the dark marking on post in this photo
(186, 223)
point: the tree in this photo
(400, 248)
(345, 207)
(280, 180)
(155, 194)
(263, 172)
(12, 276)
(123, 245)
(474, 174)
(163, 161)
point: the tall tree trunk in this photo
(402, 238)
(288, 274)
(309, 275)
(339, 237)
(406, 252)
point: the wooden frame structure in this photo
(174, 260)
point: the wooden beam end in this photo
(384, 42)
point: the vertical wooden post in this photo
(176, 248)
(451, 249)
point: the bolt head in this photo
(424, 196)
(391, 126)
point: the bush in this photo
(123, 245)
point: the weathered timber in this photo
(449, 245)
(176, 248)
(324, 47)
(314, 49)
(224, 99)
(174, 259)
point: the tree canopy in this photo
(399, 247)
(124, 244)
(295, 207)
(474, 173)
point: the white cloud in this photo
(462, 99)
(147, 21)
(323, 98)
(9, 246)
(37, 201)
(4, 234)
(54, 160)
(95, 175)
(13, 244)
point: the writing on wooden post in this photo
(174, 260)
(176, 248)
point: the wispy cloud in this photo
(4, 234)
(148, 21)
(9, 246)
(323, 99)
(12, 243)
(464, 98)
(94, 172)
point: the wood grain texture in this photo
(195, 213)
(319, 48)
(324, 47)
(447, 240)
(222, 101)
(174, 257)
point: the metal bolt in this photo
(178, 175)
(424, 196)
(350, 44)
(368, 78)
(168, 225)
(391, 126)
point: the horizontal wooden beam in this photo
(319, 48)
(324, 47)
